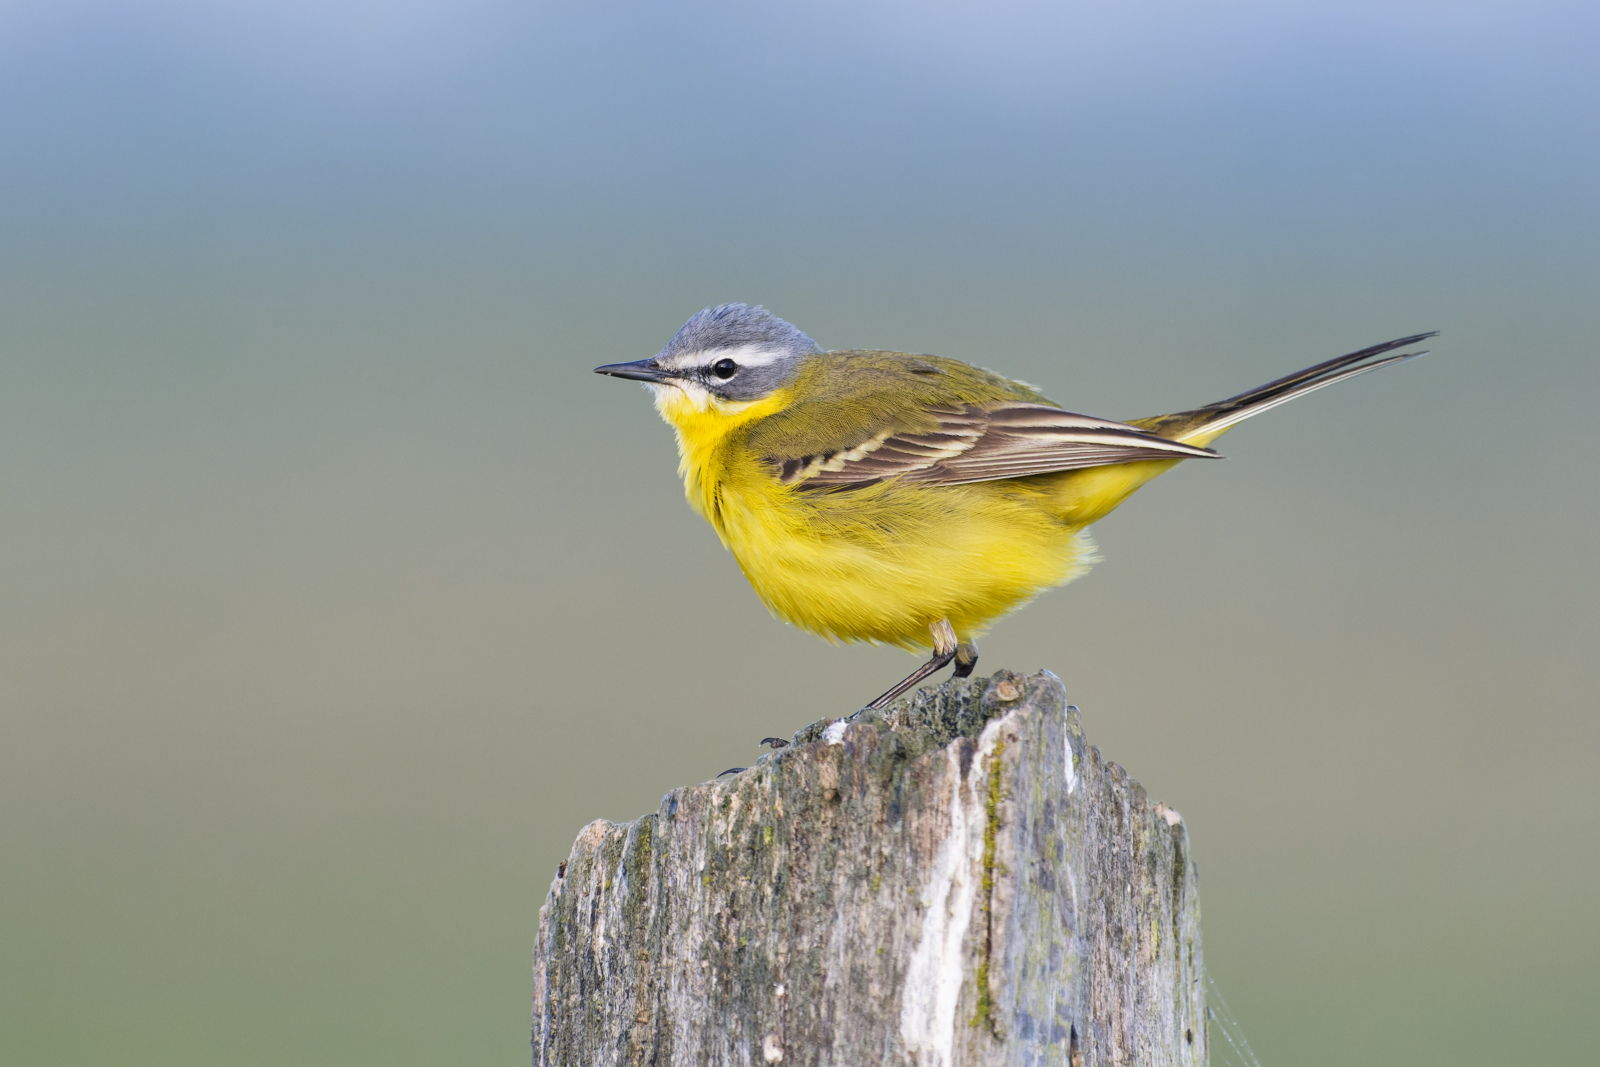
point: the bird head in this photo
(729, 355)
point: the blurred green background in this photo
(336, 594)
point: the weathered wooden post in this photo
(959, 879)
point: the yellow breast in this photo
(881, 562)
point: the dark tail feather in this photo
(1214, 418)
(1321, 370)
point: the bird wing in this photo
(972, 443)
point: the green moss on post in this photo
(991, 832)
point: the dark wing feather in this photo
(982, 444)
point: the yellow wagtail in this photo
(905, 499)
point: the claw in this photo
(966, 659)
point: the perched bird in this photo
(905, 499)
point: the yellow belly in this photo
(881, 563)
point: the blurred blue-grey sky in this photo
(195, 119)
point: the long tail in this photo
(1203, 425)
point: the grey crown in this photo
(733, 326)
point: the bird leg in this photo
(966, 659)
(945, 649)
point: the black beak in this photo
(643, 370)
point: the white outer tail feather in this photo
(1233, 418)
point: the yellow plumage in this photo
(882, 562)
(904, 499)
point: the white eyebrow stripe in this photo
(744, 355)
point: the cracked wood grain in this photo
(958, 879)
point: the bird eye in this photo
(724, 368)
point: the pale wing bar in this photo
(1024, 439)
(977, 445)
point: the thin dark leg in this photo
(945, 649)
(966, 659)
(939, 662)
